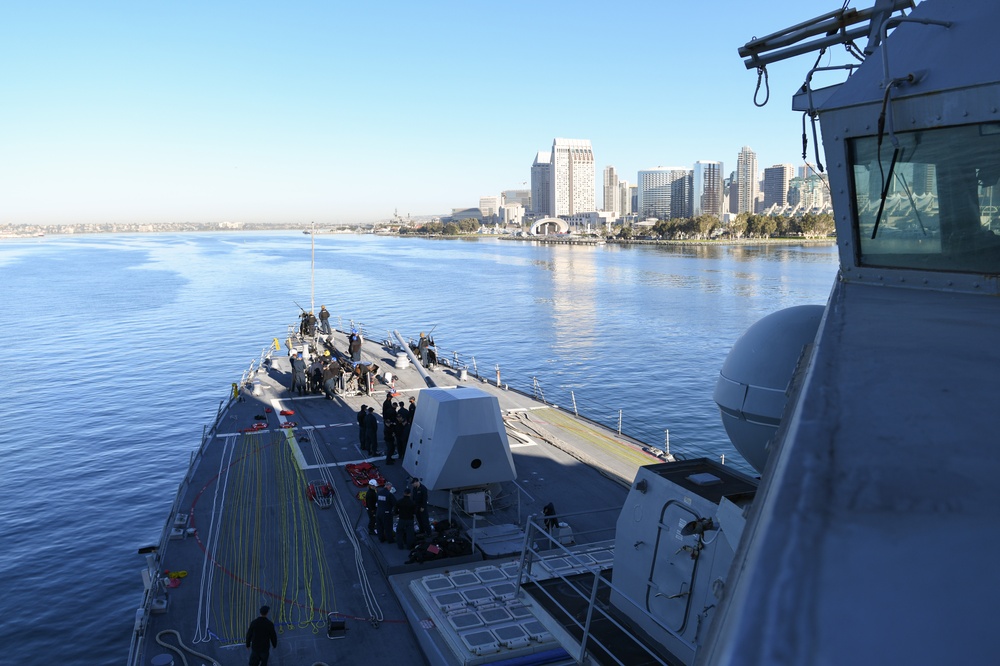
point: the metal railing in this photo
(534, 556)
(615, 417)
(154, 562)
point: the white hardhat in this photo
(373, 483)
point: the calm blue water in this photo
(121, 347)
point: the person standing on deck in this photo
(384, 505)
(405, 509)
(324, 319)
(261, 637)
(419, 495)
(298, 373)
(413, 407)
(422, 349)
(389, 427)
(354, 341)
(371, 431)
(402, 431)
(362, 417)
(371, 504)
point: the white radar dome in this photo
(752, 388)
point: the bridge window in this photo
(931, 202)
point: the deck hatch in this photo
(494, 615)
(463, 621)
(464, 578)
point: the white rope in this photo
(374, 610)
(202, 634)
(182, 647)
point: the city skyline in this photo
(255, 112)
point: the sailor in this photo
(371, 432)
(324, 319)
(384, 505)
(419, 495)
(422, 348)
(261, 637)
(413, 407)
(405, 509)
(362, 417)
(389, 427)
(402, 431)
(354, 341)
(331, 377)
(298, 373)
(315, 375)
(371, 502)
(310, 324)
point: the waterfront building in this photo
(522, 197)
(512, 214)
(489, 205)
(541, 185)
(573, 180)
(664, 193)
(592, 221)
(612, 191)
(708, 194)
(775, 185)
(746, 180)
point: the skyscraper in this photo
(707, 193)
(746, 180)
(625, 198)
(776, 179)
(658, 189)
(573, 186)
(612, 192)
(541, 184)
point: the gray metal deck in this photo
(246, 533)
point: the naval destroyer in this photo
(866, 538)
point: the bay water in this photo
(121, 347)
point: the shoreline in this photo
(562, 240)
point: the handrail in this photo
(528, 557)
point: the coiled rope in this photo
(182, 648)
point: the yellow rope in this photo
(270, 544)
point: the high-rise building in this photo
(573, 186)
(776, 179)
(624, 198)
(707, 196)
(612, 191)
(664, 193)
(541, 185)
(746, 180)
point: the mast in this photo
(312, 269)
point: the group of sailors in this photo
(330, 375)
(307, 322)
(382, 506)
(396, 421)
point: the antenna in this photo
(833, 26)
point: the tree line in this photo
(467, 226)
(745, 225)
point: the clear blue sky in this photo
(344, 111)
